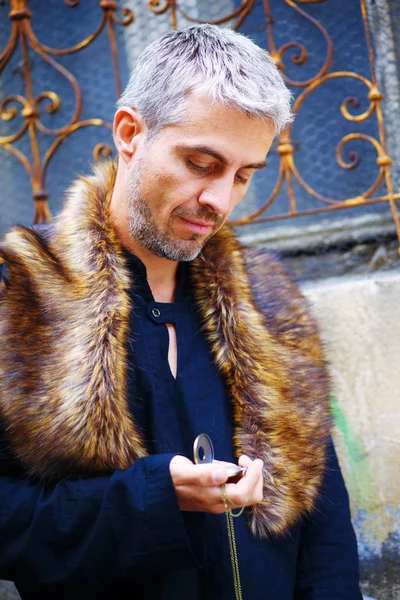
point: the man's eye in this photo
(198, 168)
(241, 179)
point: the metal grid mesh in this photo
(59, 26)
(385, 25)
(318, 128)
(319, 125)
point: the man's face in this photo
(183, 184)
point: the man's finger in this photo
(253, 473)
(184, 472)
(247, 488)
(244, 461)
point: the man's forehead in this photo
(224, 132)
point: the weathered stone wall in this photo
(359, 319)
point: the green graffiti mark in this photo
(361, 481)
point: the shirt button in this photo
(155, 312)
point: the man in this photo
(135, 322)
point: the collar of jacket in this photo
(64, 315)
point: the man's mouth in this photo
(201, 227)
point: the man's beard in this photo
(144, 229)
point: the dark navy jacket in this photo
(122, 535)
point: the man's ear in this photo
(128, 130)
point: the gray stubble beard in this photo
(143, 227)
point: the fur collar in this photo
(64, 315)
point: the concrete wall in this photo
(360, 326)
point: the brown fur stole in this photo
(64, 313)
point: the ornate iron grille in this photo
(282, 201)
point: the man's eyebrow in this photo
(218, 156)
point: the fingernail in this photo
(219, 476)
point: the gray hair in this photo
(225, 66)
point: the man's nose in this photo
(216, 196)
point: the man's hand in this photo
(198, 487)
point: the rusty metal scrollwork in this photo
(30, 106)
(288, 172)
(237, 16)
